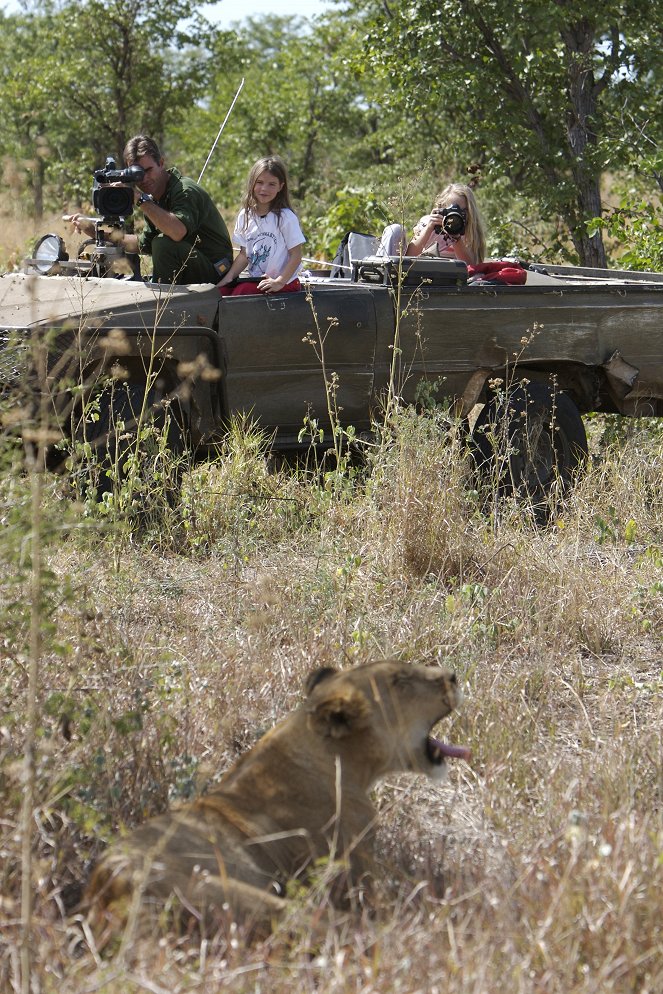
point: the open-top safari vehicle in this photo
(537, 356)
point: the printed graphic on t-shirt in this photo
(261, 250)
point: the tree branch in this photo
(514, 84)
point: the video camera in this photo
(453, 221)
(114, 203)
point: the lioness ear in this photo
(340, 714)
(317, 676)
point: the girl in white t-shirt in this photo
(268, 235)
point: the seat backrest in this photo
(361, 246)
(353, 247)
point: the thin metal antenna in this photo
(211, 151)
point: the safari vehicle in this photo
(537, 356)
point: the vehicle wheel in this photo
(114, 440)
(530, 444)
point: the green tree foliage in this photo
(89, 76)
(299, 101)
(535, 93)
(373, 106)
(635, 229)
(28, 126)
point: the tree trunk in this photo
(579, 40)
(591, 251)
(38, 185)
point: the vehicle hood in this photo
(28, 300)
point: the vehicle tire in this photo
(530, 444)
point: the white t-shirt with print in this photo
(267, 240)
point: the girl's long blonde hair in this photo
(275, 165)
(475, 234)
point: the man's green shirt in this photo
(206, 229)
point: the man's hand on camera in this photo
(82, 224)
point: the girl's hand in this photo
(239, 263)
(268, 284)
(427, 225)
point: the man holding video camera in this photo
(184, 231)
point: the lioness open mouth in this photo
(437, 751)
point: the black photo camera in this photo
(453, 220)
(114, 203)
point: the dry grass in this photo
(537, 869)
(20, 234)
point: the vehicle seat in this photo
(354, 247)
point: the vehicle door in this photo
(292, 356)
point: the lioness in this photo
(300, 794)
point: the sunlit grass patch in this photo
(167, 649)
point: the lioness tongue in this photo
(452, 751)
